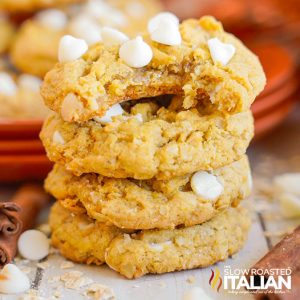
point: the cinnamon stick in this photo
(18, 215)
(285, 255)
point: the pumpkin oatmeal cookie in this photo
(148, 140)
(135, 254)
(133, 204)
(100, 78)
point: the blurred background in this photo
(270, 28)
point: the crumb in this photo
(67, 265)
(57, 294)
(98, 291)
(43, 265)
(54, 279)
(31, 295)
(75, 280)
(26, 270)
(278, 232)
(162, 284)
(191, 279)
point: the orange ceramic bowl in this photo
(14, 168)
(265, 123)
(20, 129)
(21, 147)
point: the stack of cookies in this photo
(149, 137)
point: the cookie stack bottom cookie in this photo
(136, 253)
(139, 227)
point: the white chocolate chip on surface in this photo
(70, 107)
(115, 110)
(33, 245)
(57, 138)
(13, 280)
(71, 48)
(136, 53)
(85, 28)
(7, 85)
(206, 185)
(196, 293)
(52, 18)
(166, 33)
(288, 182)
(29, 82)
(111, 36)
(154, 21)
(220, 52)
(289, 205)
(287, 189)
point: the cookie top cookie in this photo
(21, 6)
(148, 140)
(147, 204)
(20, 98)
(101, 77)
(7, 31)
(38, 38)
(135, 254)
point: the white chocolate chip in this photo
(166, 33)
(159, 246)
(33, 245)
(7, 85)
(52, 18)
(290, 205)
(57, 138)
(71, 48)
(196, 293)
(115, 110)
(139, 117)
(136, 53)
(111, 36)
(287, 188)
(85, 28)
(220, 52)
(29, 82)
(154, 22)
(70, 107)
(288, 182)
(13, 280)
(206, 185)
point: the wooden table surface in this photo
(277, 153)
